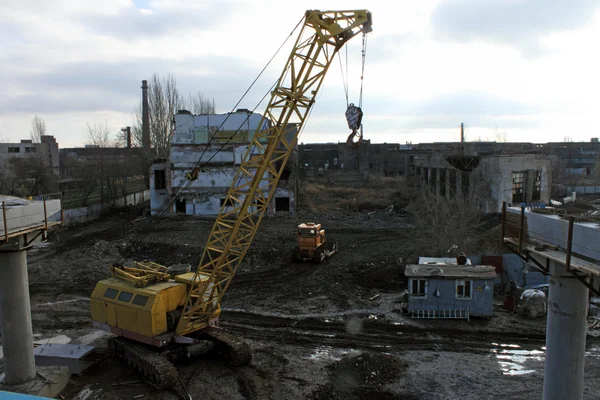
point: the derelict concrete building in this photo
(498, 178)
(217, 143)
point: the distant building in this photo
(450, 291)
(218, 142)
(385, 159)
(46, 150)
(493, 179)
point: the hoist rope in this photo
(362, 73)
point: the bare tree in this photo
(33, 175)
(99, 135)
(164, 100)
(38, 129)
(441, 222)
(199, 104)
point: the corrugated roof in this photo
(450, 271)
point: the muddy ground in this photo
(330, 331)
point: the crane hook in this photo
(355, 134)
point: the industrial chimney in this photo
(145, 117)
(128, 137)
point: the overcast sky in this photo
(521, 70)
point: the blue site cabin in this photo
(450, 291)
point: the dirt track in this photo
(317, 331)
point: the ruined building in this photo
(514, 178)
(218, 142)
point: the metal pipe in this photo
(502, 228)
(45, 214)
(521, 229)
(5, 221)
(570, 243)
(62, 211)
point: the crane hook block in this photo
(354, 117)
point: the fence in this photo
(581, 190)
(82, 214)
(78, 198)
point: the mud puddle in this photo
(515, 359)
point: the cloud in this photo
(80, 86)
(516, 23)
(157, 18)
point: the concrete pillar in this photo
(565, 337)
(15, 314)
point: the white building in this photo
(219, 141)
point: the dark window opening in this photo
(443, 183)
(228, 202)
(14, 150)
(160, 182)
(370, 165)
(31, 150)
(418, 287)
(140, 300)
(537, 187)
(463, 289)
(518, 194)
(282, 204)
(285, 174)
(452, 183)
(418, 170)
(111, 293)
(125, 297)
(180, 206)
(433, 180)
(465, 184)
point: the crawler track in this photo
(152, 366)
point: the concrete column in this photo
(565, 337)
(15, 314)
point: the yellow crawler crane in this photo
(161, 314)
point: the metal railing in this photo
(43, 224)
(440, 314)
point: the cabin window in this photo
(140, 300)
(125, 297)
(111, 293)
(418, 287)
(463, 289)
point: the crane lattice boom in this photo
(322, 35)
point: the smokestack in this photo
(128, 130)
(145, 117)
(462, 132)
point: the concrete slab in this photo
(60, 339)
(71, 355)
(27, 215)
(49, 382)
